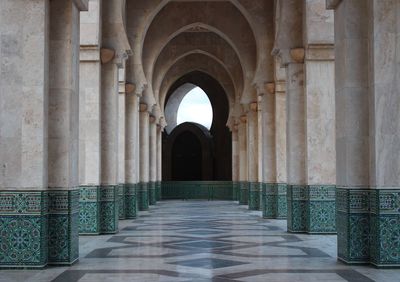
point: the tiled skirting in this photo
(274, 200)
(243, 193)
(236, 187)
(121, 201)
(143, 196)
(158, 190)
(254, 195)
(311, 209)
(131, 206)
(63, 227)
(99, 210)
(152, 193)
(369, 226)
(208, 190)
(38, 228)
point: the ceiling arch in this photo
(197, 62)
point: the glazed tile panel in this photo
(121, 201)
(89, 210)
(244, 193)
(131, 206)
(152, 193)
(207, 190)
(63, 227)
(23, 229)
(254, 196)
(143, 196)
(274, 202)
(311, 209)
(108, 209)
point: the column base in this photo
(89, 210)
(121, 201)
(152, 193)
(369, 226)
(244, 193)
(143, 196)
(311, 209)
(158, 190)
(274, 200)
(108, 209)
(63, 227)
(254, 196)
(23, 229)
(131, 200)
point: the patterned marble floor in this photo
(205, 241)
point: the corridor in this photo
(204, 241)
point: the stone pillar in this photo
(296, 148)
(235, 162)
(90, 121)
(367, 131)
(252, 157)
(244, 189)
(23, 131)
(159, 163)
(152, 160)
(143, 193)
(63, 134)
(121, 143)
(131, 153)
(109, 148)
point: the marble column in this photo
(90, 121)
(23, 131)
(143, 192)
(131, 154)
(367, 131)
(63, 132)
(243, 186)
(152, 160)
(109, 149)
(252, 157)
(121, 143)
(159, 163)
(235, 162)
(296, 149)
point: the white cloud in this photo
(195, 107)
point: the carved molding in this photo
(143, 107)
(270, 86)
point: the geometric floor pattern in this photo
(205, 241)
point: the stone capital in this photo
(270, 87)
(106, 55)
(82, 5)
(254, 107)
(130, 88)
(332, 4)
(143, 107)
(320, 52)
(243, 119)
(152, 119)
(297, 55)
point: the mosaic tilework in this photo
(131, 206)
(143, 196)
(274, 203)
(235, 186)
(311, 209)
(385, 227)
(152, 193)
(244, 193)
(23, 229)
(108, 209)
(63, 227)
(89, 210)
(353, 225)
(207, 190)
(254, 196)
(158, 190)
(121, 201)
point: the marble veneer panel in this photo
(89, 210)
(143, 196)
(131, 206)
(23, 229)
(108, 209)
(254, 196)
(63, 227)
(274, 203)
